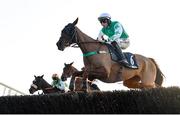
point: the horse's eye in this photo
(69, 31)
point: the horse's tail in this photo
(159, 75)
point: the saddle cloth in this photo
(129, 56)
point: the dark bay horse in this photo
(99, 65)
(70, 71)
(40, 84)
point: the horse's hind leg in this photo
(145, 86)
(148, 81)
(133, 82)
(149, 76)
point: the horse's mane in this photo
(45, 81)
(88, 38)
(75, 69)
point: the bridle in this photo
(74, 42)
(36, 87)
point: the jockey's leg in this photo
(120, 54)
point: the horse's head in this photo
(67, 71)
(67, 36)
(36, 84)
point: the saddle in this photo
(129, 57)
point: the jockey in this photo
(116, 36)
(58, 83)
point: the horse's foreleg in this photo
(153, 85)
(85, 77)
(71, 85)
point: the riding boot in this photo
(120, 55)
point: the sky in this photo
(29, 30)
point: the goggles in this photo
(103, 20)
(54, 78)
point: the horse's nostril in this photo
(30, 91)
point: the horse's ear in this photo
(42, 76)
(34, 76)
(71, 63)
(75, 22)
(65, 64)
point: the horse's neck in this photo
(46, 84)
(74, 70)
(86, 43)
(45, 87)
(84, 37)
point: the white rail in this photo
(7, 90)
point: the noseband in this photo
(34, 86)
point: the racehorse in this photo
(99, 65)
(76, 78)
(40, 84)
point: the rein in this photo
(48, 88)
(77, 43)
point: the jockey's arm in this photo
(101, 37)
(61, 85)
(118, 32)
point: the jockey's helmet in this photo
(55, 76)
(104, 16)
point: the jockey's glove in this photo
(108, 42)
